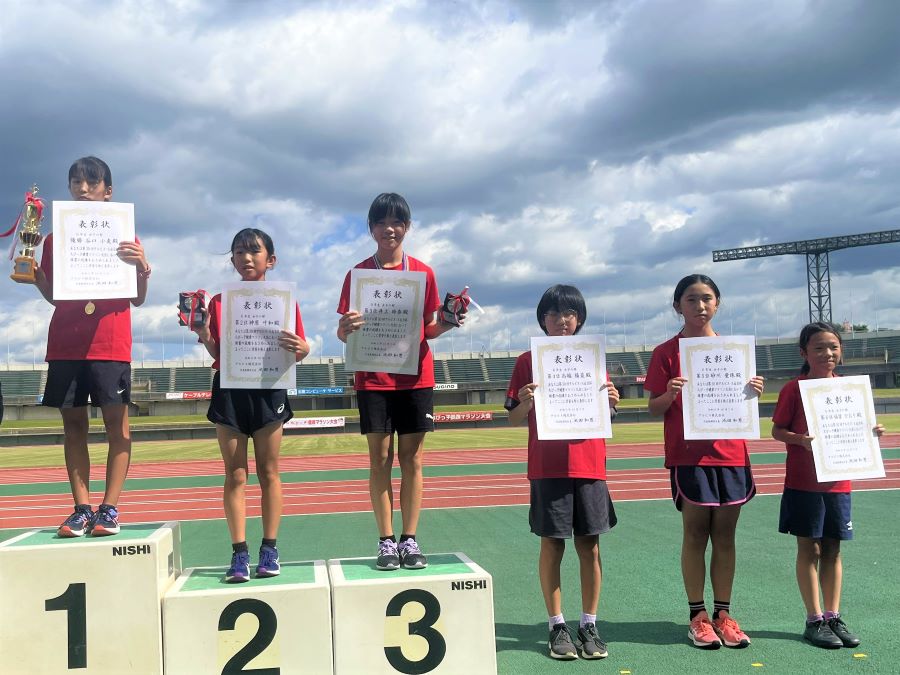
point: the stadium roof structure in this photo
(818, 276)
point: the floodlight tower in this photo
(817, 275)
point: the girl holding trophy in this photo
(89, 356)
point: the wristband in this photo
(145, 273)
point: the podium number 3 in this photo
(424, 628)
(72, 601)
(268, 625)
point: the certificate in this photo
(569, 403)
(840, 415)
(85, 238)
(717, 401)
(253, 315)
(391, 304)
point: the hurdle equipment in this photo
(274, 625)
(439, 619)
(86, 604)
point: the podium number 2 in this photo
(72, 601)
(424, 628)
(268, 625)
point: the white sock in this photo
(555, 620)
(588, 618)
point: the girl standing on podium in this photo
(391, 403)
(242, 414)
(89, 359)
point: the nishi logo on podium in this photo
(86, 605)
(120, 605)
(439, 619)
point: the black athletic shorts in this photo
(816, 514)
(247, 410)
(406, 411)
(712, 485)
(561, 507)
(71, 383)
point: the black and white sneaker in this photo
(560, 643)
(411, 557)
(592, 647)
(388, 557)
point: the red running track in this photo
(352, 496)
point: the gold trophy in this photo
(30, 235)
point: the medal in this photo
(89, 308)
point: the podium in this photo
(277, 625)
(435, 620)
(86, 604)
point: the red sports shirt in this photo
(800, 468)
(664, 365)
(215, 320)
(390, 381)
(74, 335)
(556, 459)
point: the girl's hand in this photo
(349, 322)
(757, 384)
(878, 430)
(675, 385)
(293, 343)
(202, 332)
(612, 392)
(132, 253)
(526, 393)
(805, 441)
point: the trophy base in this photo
(23, 271)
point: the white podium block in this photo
(436, 620)
(277, 625)
(86, 604)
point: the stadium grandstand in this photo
(462, 378)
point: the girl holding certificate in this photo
(711, 480)
(390, 403)
(242, 414)
(569, 497)
(818, 514)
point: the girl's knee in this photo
(267, 476)
(236, 477)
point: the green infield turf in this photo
(643, 611)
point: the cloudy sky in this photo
(612, 145)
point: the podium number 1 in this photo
(72, 601)
(424, 628)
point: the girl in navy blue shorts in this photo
(711, 480)
(818, 514)
(242, 414)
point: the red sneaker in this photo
(703, 635)
(730, 633)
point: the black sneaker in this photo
(411, 557)
(560, 643)
(592, 647)
(839, 628)
(819, 634)
(388, 557)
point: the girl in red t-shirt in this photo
(711, 480)
(818, 514)
(242, 414)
